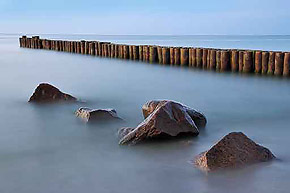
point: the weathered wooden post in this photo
(258, 62)
(103, 50)
(130, 52)
(112, 51)
(190, 56)
(140, 52)
(184, 57)
(108, 50)
(248, 61)
(209, 58)
(40, 44)
(159, 53)
(204, 58)
(212, 61)
(193, 58)
(24, 41)
(165, 55)
(234, 60)
(93, 48)
(199, 57)
(52, 44)
(27, 42)
(265, 61)
(75, 44)
(90, 48)
(87, 47)
(59, 46)
(64, 45)
(241, 60)
(115, 53)
(153, 57)
(126, 51)
(146, 53)
(279, 60)
(177, 56)
(99, 48)
(135, 52)
(225, 60)
(78, 47)
(20, 42)
(121, 54)
(82, 47)
(286, 66)
(72, 46)
(218, 60)
(96, 48)
(271, 64)
(44, 44)
(69, 46)
(172, 55)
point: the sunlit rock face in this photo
(164, 118)
(92, 115)
(232, 151)
(48, 93)
(198, 118)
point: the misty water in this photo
(45, 148)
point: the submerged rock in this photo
(48, 93)
(165, 118)
(124, 131)
(88, 114)
(233, 150)
(198, 118)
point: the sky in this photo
(146, 17)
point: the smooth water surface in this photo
(45, 148)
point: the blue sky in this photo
(150, 17)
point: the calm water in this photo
(45, 149)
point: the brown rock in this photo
(90, 115)
(233, 150)
(198, 118)
(48, 93)
(168, 119)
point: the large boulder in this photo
(90, 115)
(233, 150)
(48, 93)
(198, 118)
(167, 119)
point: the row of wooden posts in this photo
(244, 61)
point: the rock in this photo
(168, 118)
(124, 131)
(48, 93)
(88, 114)
(233, 150)
(198, 118)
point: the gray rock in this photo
(90, 115)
